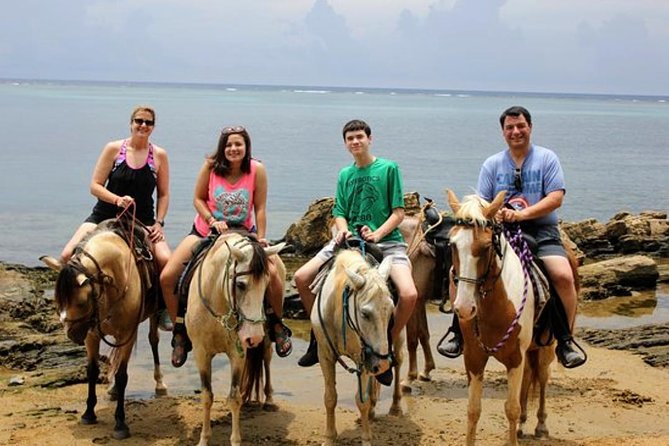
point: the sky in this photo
(563, 46)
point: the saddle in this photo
(136, 235)
(550, 318)
(436, 226)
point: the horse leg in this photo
(546, 356)
(92, 374)
(121, 430)
(330, 399)
(268, 389)
(528, 376)
(161, 389)
(424, 338)
(203, 361)
(512, 404)
(475, 363)
(412, 346)
(365, 399)
(235, 398)
(396, 406)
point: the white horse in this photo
(350, 318)
(226, 314)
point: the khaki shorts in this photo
(396, 249)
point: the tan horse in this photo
(101, 293)
(496, 307)
(350, 319)
(226, 314)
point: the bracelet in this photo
(161, 222)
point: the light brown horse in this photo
(423, 265)
(496, 306)
(226, 314)
(350, 319)
(101, 293)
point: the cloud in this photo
(520, 45)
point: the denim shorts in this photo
(396, 249)
(548, 240)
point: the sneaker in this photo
(568, 355)
(164, 320)
(311, 356)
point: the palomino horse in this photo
(496, 306)
(226, 314)
(350, 318)
(102, 292)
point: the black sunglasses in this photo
(518, 180)
(230, 130)
(140, 121)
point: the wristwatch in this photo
(161, 222)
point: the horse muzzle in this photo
(77, 332)
(374, 363)
(251, 335)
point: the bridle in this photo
(492, 253)
(235, 317)
(101, 280)
(496, 251)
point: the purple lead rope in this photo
(517, 241)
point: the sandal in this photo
(283, 344)
(180, 348)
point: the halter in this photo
(525, 256)
(92, 318)
(234, 318)
(354, 324)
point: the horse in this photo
(103, 291)
(496, 307)
(350, 318)
(226, 314)
(428, 251)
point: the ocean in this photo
(613, 149)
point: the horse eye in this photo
(241, 286)
(365, 314)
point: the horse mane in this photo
(258, 266)
(65, 285)
(471, 208)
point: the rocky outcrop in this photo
(308, 235)
(645, 233)
(649, 341)
(617, 277)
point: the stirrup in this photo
(577, 362)
(281, 339)
(457, 338)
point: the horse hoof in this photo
(89, 420)
(121, 434)
(395, 412)
(425, 378)
(161, 391)
(541, 433)
(270, 407)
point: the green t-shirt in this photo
(368, 195)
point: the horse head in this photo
(249, 274)
(74, 296)
(473, 250)
(370, 307)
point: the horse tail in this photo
(252, 377)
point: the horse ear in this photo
(357, 280)
(384, 267)
(52, 263)
(237, 253)
(275, 249)
(453, 201)
(496, 204)
(81, 279)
